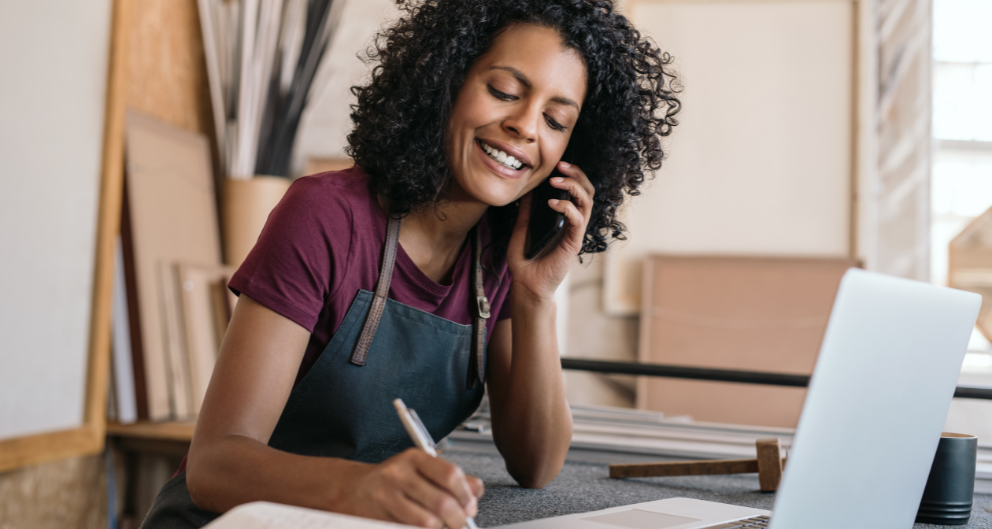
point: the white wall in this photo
(53, 55)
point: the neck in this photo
(434, 237)
(446, 225)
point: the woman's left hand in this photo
(541, 276)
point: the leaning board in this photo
(60, 119)
(742, 313)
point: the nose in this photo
(523, 122)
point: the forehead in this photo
(538, 52)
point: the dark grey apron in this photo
(343, 406)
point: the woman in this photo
(470, 106)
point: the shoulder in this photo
(333, 201)
(317, 214)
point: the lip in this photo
(510, 150)
(497, 167)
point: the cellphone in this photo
(546, 225)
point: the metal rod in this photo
(965, 392)
(721, 375)
(696, 373)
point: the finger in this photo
(436, 501)
(580, 195)
(575, 172)
(478, 488)
(406, 510)
(575, 219)
(449, 477)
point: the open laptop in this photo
(873, 414)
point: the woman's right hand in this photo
(414, 488)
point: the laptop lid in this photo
(876, 404)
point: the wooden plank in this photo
(108, 227)
(733, 312)
(684, 468)
(166, 65)
(41, 448)
(171, 431)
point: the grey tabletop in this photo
(584, 486)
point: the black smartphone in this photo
(546, 225)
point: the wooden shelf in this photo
(162, 431)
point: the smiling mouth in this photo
(501, 157)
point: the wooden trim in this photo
(89, 438)
(856, 102)
(40, 448)
(170, 431)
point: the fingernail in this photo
(553, 201)
(565, 164)
(557, 179)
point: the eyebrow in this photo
(526, 82)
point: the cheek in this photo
(470, 111)
(552, 149)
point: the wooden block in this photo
(769, 464)
(684, 468)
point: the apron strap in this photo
(480, 313)
(361, 351)
(478, 301)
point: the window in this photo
(962, 132)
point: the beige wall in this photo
(761, 161)
(591, 333)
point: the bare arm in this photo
(230, 462)
(532, 423)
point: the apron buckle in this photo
(482, 304)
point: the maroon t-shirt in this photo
(324, 242)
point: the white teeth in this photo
(501, 157)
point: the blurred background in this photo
(143, 143)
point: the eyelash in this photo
(502, 96)
(554, 124)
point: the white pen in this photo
(421, 437)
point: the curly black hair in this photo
(421, 63)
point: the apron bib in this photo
(343, 407)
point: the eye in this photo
(554, 124)
(500, 95)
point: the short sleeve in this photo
(303, 246)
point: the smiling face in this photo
(514, 115)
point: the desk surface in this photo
(583, 487)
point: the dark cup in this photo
(951, 485)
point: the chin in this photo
(496, 199)
(496, 193)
